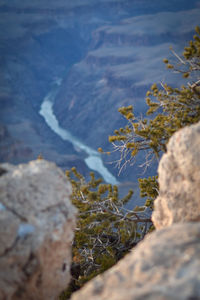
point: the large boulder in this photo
(179, 179)
(165, 265)
(37, 221)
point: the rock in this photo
(179, 179)
(36, 231)
(165, 265)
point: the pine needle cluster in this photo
(106, 230)
(169, 109)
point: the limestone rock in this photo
(164, 266)
(37, 221)
(179, 179)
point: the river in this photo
(93, 159)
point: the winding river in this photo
(93, 159)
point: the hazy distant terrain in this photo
(107, 54)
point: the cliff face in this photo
(104, 52)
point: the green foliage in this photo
(175, 108)
(149, 188)
(169, 109)
(105, 230)
(192, 51)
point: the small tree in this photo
(171, 108)
(106, 230)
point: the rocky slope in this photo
(100, 50)
(124, 59)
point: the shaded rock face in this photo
(166, 265)
(179, 179)
(36, 231)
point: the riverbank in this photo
(93, 158)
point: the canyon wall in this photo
(106, 53)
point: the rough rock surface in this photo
(36, 230)
(165, 265)
(179, 179)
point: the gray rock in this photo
(37, 221)
(165, 265)
(179, 179)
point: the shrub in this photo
(106, 230)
